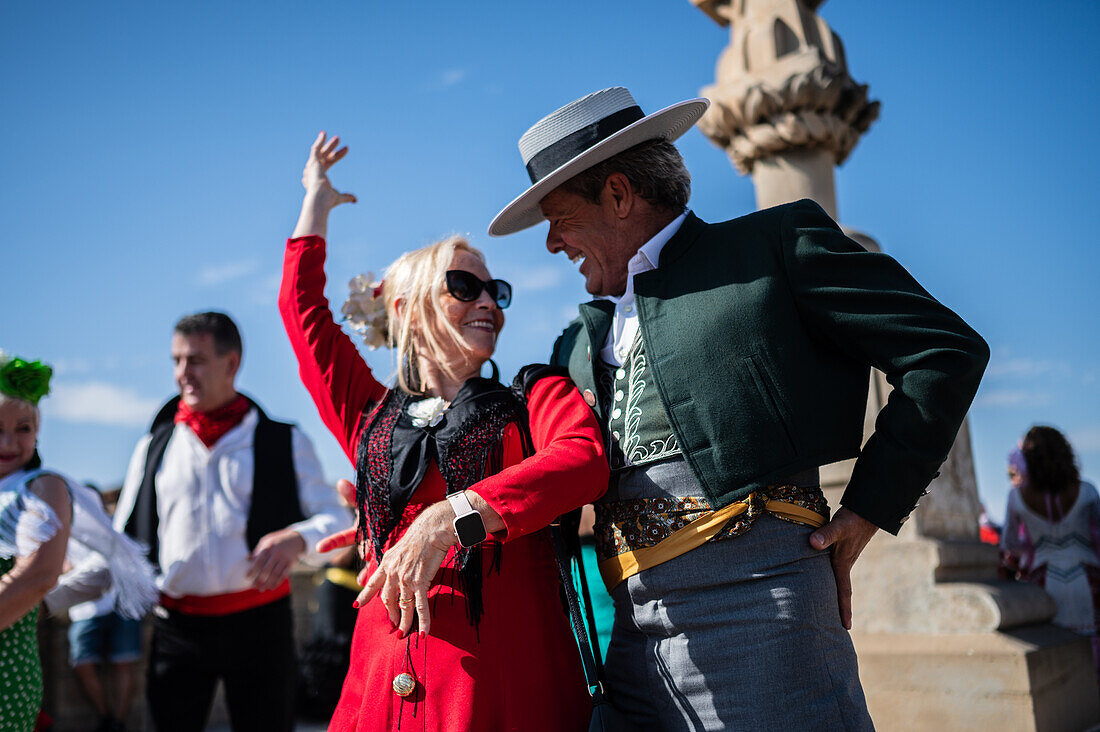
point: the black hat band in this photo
(552, 157)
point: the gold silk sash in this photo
(618, 568)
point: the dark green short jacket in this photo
(761, 332)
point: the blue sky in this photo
(153, 155)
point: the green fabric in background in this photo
(20, 670)
(602, 608)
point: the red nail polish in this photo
(355, 604)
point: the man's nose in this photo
(553, 242)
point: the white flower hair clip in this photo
(428, 412)
(365, 310)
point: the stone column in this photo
(783, 105)
(942, 644)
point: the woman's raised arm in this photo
(331, 368)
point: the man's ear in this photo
(233, 363)
(618, 195)
(399, 307)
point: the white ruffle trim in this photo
(102, 559)
(26, 521)
(131, 577)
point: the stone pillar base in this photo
(1035, 679)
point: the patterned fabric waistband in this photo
(639, 523)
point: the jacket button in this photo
(404, 684)
(589, 398)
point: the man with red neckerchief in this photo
(227, 501)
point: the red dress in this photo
(520, 669)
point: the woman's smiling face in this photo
(18, 434)
(478, 321)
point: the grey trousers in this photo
(740, 634)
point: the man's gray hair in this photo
(654, 168)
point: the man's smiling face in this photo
(591, 234)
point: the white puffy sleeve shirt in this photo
(203, 499)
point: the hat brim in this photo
(669, 123)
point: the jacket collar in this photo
(682, 240)
(597, 316)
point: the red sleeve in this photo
(568, 469)
(331, 368)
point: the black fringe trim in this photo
(471, 452)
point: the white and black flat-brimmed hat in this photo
(582, 134)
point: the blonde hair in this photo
(417, 279)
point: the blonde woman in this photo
(460, 624)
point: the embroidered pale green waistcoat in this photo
(637, 422)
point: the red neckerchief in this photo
(211, 426)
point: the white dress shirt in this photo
(625, 326)
(203, 498)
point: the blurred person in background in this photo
(99, 634)
(1052, 530)
(49, 524)
(227, 500)
(324, 658)
(35, 517)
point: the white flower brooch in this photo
(428, 412)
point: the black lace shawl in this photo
(467, 444)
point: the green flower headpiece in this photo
(26, 380)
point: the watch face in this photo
(470, 529)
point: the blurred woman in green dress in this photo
(49, 524)
(35, 516)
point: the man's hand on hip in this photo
(273, 557)
(847, 534)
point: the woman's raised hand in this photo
(323, 154)
(320, 197)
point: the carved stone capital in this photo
(820, 107)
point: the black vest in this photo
(273, 479)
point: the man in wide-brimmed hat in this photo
(729, 362)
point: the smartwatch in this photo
(468, 524)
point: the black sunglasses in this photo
(465, 286)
